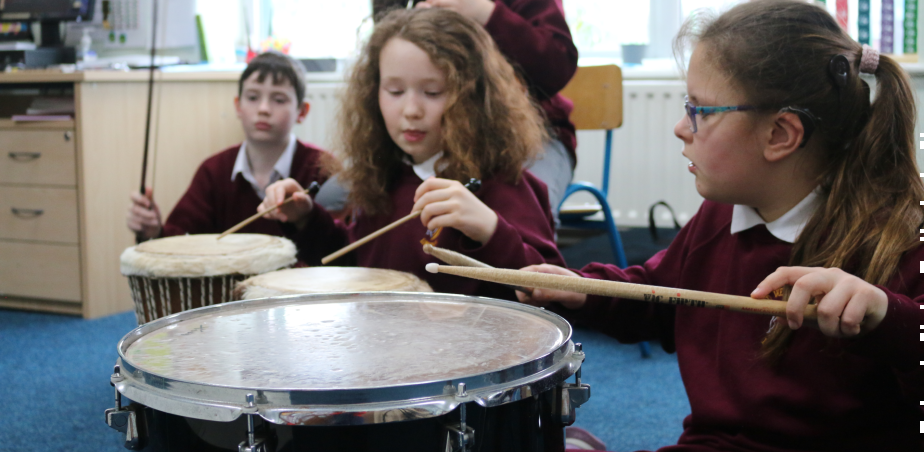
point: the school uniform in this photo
(858, 394)
(523, 236)
(535, 38)
(533, 34)
(224, 192)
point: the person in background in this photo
(228, 186)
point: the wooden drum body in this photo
(297, 281)
(180, 273)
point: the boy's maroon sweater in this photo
(535, 38)
(859, 394)
(523, 236)
(213, 202)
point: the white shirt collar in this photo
(785, 228)
(426, 168)
(281, 169)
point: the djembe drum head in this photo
(295, 281)
(175, 274)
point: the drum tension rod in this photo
(122, 419)
(253, 443)
(574, 394)
(460, 437)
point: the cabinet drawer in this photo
(43, 214)
(40, 271)
(38, 157)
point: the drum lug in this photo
(253, 443)
(574, 394)
(122, 419)
(459, 436)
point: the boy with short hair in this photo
(228, 186)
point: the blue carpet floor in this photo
(56, 373)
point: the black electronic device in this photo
(50, 14)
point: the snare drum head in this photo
(295, 281)
(347, 349)
(205, 255)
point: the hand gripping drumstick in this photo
(653, 294)
(472, 185)
(310, 191)
(454, 258)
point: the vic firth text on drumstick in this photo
(653, 294)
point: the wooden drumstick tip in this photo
(428, 249)
(433, 267)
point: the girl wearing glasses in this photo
(808, 184)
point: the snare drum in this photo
(175, 274)
(350, 371)
(297, 281)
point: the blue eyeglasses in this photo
(693, 110)
(809, 121)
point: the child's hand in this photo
(144, 215)
(542, 297)
(478, 10)
(447, 203)
(296, 211)
(847, 305)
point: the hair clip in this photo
(838, 68)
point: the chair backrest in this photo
(597, 95)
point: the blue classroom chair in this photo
(597, 95)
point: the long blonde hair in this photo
(490, 125)
(779, 51)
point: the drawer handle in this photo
(24, 156)
(27, 213)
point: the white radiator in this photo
(647, 166)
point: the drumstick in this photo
(310, 191)
(473, 185)
(653, 294)
(369, 237)
(455, 258)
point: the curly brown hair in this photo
(491, 127)
(779, 51)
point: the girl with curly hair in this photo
(431, 104)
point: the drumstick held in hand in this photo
(459, 259)
(653, 294)
(310, 191)
(472, 185)
(369, 237)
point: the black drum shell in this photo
(522, 426)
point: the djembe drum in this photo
(175, 274)
(373, 371)
(296, 281)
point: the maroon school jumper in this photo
(858, 394)
(213, 202)
(523, 236)
(534, 36)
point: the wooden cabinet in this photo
(64, 186)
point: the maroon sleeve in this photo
(631, 320)
(195, 211)
(321, 236)
(524, 234)
(899, 340)
(534, 35)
